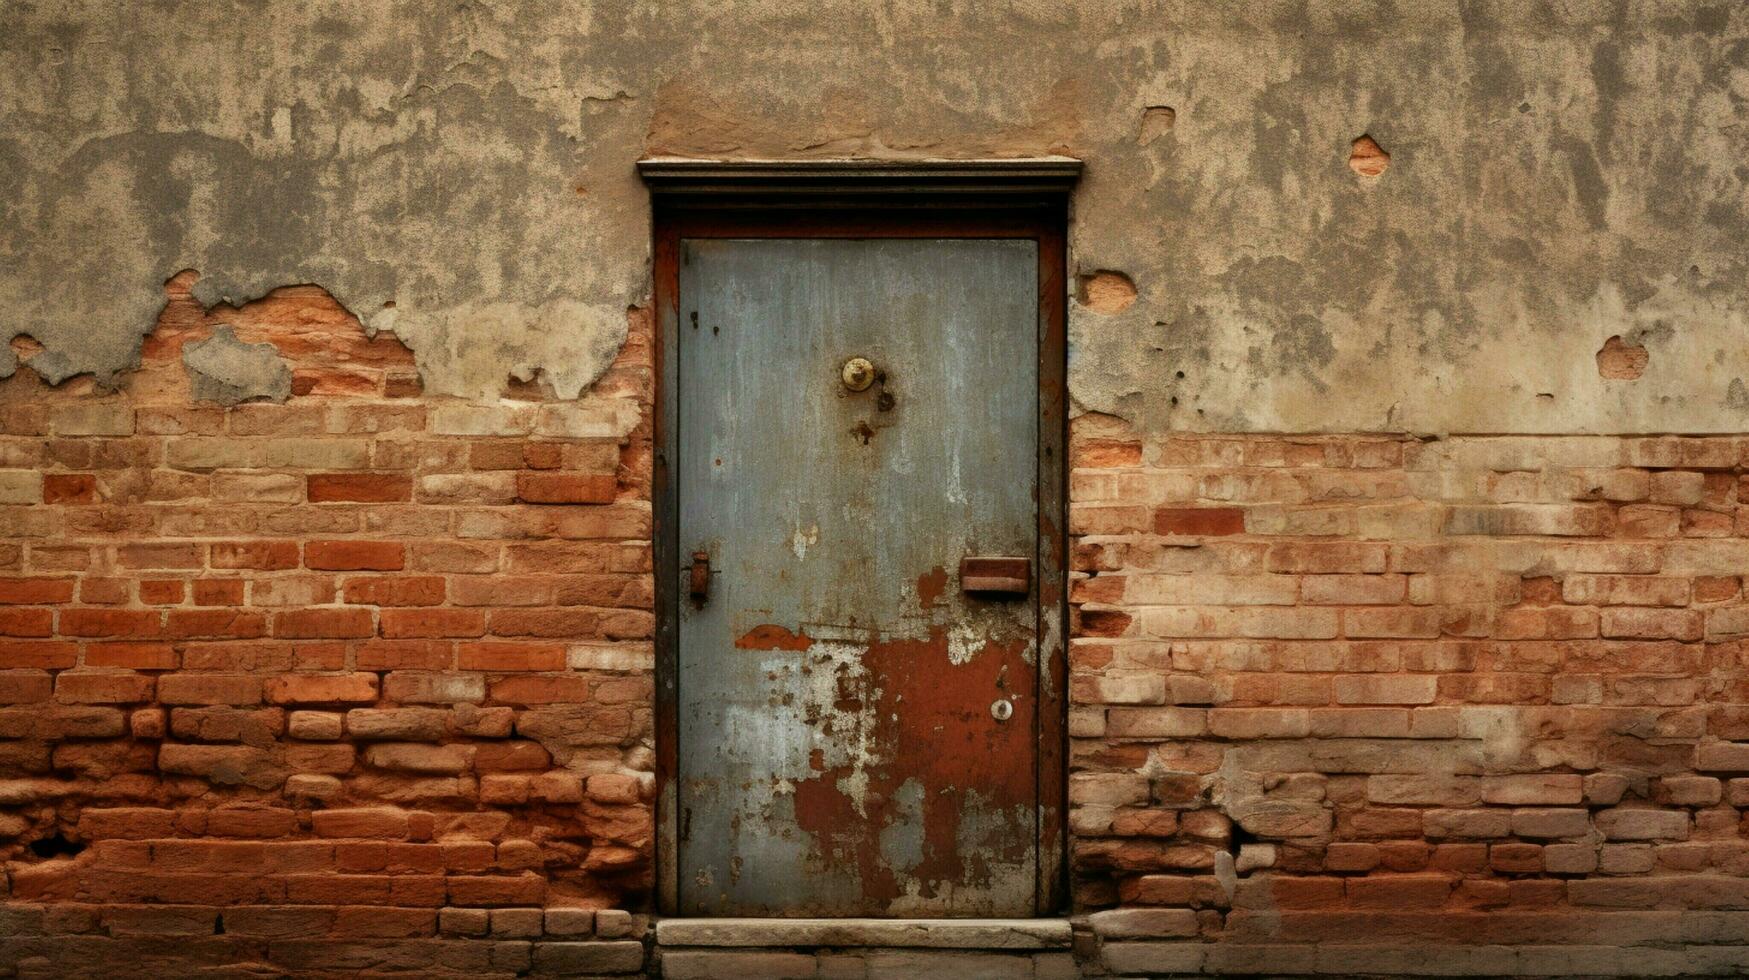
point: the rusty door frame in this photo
(842, 199)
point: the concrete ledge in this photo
(884, 933)
(1153, 959)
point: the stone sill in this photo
(981, 934)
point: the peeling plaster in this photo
(463, 175)
(223, 369)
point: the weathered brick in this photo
(315, 726)
(360, 487)
(1636, 824)
(1385, 689)
(421, 758)
(509, 656)
(264, 555)
(209, 689)
(434, 688)
(352, 556)
(421, 590)
(80, 687)
(229, 765)
(1551, 823)
(566, 488)
(321, 688)
(385, 823)
(497, 890)
(303, 624)
(1722, 757)
(1531, 790)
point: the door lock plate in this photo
(699, 576)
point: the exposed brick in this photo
(405, 655)
(1202, 521)
(541, 690)
(228, 765)
(351, 556)
(234, 689)
(433, 623)
(376, 822)
(497, 890)
(423, 590)
(1635, 824)
(111, 622)
(41, 654)
(418, 687)
(302, 624)
(35, 591)
(321, 688)
(514, 755)
(261, 555)
(361, 487)
(102, 688)
(510, 656)
(69, 488)
(566, 488)
(405, 724)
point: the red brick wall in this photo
(1330, 683)
(365, 664)
(364, 648)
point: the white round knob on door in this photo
(1002, 709)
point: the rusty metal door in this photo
(857, 427)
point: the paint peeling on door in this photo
(914, 770)
(802, 539)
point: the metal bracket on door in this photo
(994, 575)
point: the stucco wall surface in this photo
(462, 175)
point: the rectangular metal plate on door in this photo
(993, 575)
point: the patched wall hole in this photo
(1367, 158)
(1618, 360)
(1105, 291)
(1156, 121)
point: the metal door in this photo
(856, 731)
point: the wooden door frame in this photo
(862, 199)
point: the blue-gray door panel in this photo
(838, 752)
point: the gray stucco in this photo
(462, 174)
(223, 369)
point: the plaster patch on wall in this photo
(471, 349)
(223, 369)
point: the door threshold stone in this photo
(1016, 934)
